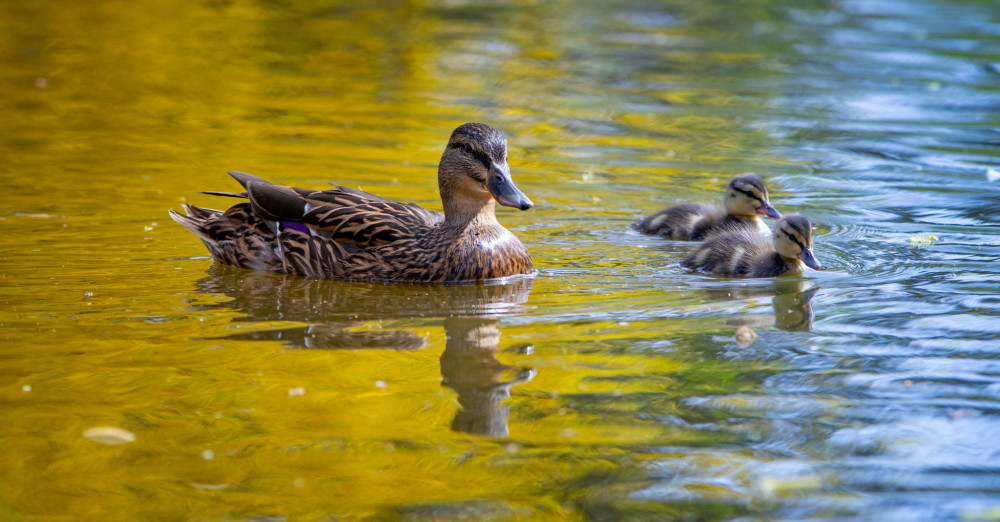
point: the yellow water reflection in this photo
(252, 395)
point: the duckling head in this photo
(746, 196)
(793, 240)
(473, 173)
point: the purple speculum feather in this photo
(291, 225)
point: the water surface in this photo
(611, 385)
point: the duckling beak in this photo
(767, 210)
(503, 189)
(807, 257)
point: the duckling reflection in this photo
(791, 304)
(793, 311)
(469, 365)
(333, 310)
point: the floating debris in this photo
(209, 487)
(992, 174)
(109, 435)
(37, 215)
(922, 240)
(208, 454)
(745, 336)
(296, 392)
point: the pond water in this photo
(611, 385)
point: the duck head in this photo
(793, 240)
(746, 196)
(473, 173)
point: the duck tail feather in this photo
(245, 178)
(192, 223)
(201, 213)
(242, 195)
(276, 203)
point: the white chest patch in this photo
(762, 227)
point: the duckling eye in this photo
(790, 236)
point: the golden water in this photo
(610, 385)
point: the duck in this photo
(745, 253)
(350, 234)
(745, 199)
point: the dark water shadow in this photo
(327, 315)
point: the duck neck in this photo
(465, 212)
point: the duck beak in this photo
(767, 210)
(807, 257)
(503, 189)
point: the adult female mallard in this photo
(745, 199)
(745, 253)
(345, 233)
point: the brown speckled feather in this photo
(345, 215)
(435, 255)
(345, 233)
(235, 237)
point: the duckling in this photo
(346, 233)
(745, 253)
(745, 199)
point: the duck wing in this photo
(343, 214)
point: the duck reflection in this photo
(791, 304)
(333, 311)
(469, 365)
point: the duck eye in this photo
(468, 148)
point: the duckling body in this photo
(745, 200)
(744, 253)
(350, 234)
